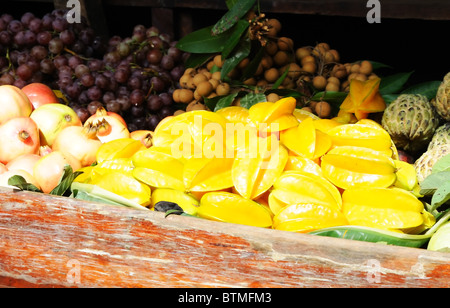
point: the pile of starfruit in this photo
(271, 166)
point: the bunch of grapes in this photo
(132, 76)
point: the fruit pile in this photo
(133, 76)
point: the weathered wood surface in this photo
(62, 242)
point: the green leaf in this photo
(394, 83)
(201, 41)
(443, 164)
(65, 182)
(242, 51)
(435, 180)
(378, 65)
(280, 80)
(252, 67)
(197, 59)
(373, 235)
(95, 193)
(234, 14)
(235, 38)
(225, 101)
(389, 98)
(20, 182)
(428, 89)
(330, 96)
(285, 92)
(440, 196)
(251, 99)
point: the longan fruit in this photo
(319, 82)
(196, 95)
(272, 97)
(196, 105)
(285, 43)
(218, 61)
(199, 78)
(328, 57)
(271, 75)
(339, 71)
(312, 104)
(324, 46)
(323, 109)
(302, 52)
(184, 80)
(308, 59)
(204, 88)
(261, 83)
(332, 87)
(214, 82)
(267, 62)
(210, 65)
(271, 48)
(372, 76)
(243, 64)
(250, 81)
(294, 70)
(186, 96)
(274, 26)
(259, 69)
(361, 77)
(190, 71)
(281, 58)
(355, 68)
(223, 89)
(310, 67)
(216, 75)
(335, 54)
(178, 112)
(366, 67)
(176, 95)
(319, 51)
(334, 79)
(307, 109)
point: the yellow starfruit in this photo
(363, 98)
(274, 117)
(235, 114)
(118, 148)
(303, 164)
(254, 171)
(307, 217)
(382, 208)
(350, 166)
(305, 140)
(187, 202)
(233, 208)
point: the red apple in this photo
(40, 94)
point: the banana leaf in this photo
(89, 192)
(373, 235)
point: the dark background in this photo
(405, 44)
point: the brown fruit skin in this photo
(271, 75)
(322, 109)
(272, 97)
(223, 89)
(332, 87)
(310, 67)
(285, 43)
(319, 82)
(199, 78)
(218, 61)
(302, 52)
(366, 68)
(281, 58)
(274, 26)
(195, 105)
(204, 88)
(186, 96)
(271, 48)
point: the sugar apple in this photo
(424, 164)
(442, 100)
(441, 136)
(411, 121)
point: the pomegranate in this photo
(18, 136)
(52, 118)
(3, 168)
(79, 142)
(40, 94)
(49, 169)
(13, 103)
(29, 178)
(107, 125)
(23, 162)
(144, 136)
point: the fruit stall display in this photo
(232, 144)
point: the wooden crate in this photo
(48, 241)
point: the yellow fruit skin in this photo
(187, 202)
(232, 208)
(383, 208)
(307, 217)
(348, 166)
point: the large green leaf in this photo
(239, 9)
(235, 37)
(91, 192)
(201, 41)
(373, 235)
(333, 97)
(251, 99)
(19, 182)
(394, 83)
(197, 59)
(429, 89)
(242, 51)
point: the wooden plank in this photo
(50, 241)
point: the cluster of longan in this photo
(196, 84)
